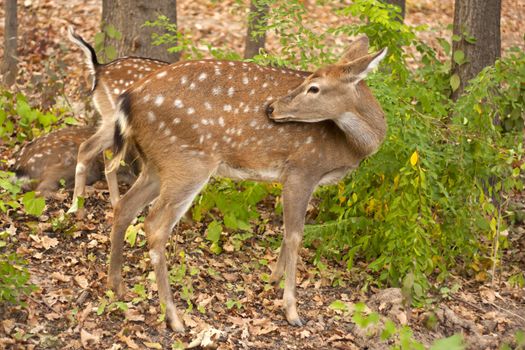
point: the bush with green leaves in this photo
(434, 197)
(14, 277)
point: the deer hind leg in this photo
(176, 197)
(296, 194)
(111, 179)
(145, 190)
(87, 152)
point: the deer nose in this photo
(269, 110)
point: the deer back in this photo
(216, 111)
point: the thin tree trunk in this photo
(9, 62)
(128, 16)
(258, 16)
(477, 20)
(401, 4)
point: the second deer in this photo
(193, 120)
(109, 81)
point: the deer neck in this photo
(363, 135)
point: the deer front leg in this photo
(296, 194)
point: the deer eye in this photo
(313, 89)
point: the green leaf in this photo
(459, 57)
(78, 203)
(131, 235)
(111, 53)
(339, 306)
(102, 307)
(33, 205)
(99, 39)
(454, 342)
(454, 82)
(214, 231)
(113, 32)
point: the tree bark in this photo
(128, 16)
(480, 20)
(401, 4)
(9, 61)
(258, 16)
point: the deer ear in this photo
(357, 49)
(358, 69)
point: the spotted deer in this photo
(46, 161)
(194, 120)
(109, 81)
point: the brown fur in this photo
(109, 81)
(47, 160)
(193, 120)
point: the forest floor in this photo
(231, 302)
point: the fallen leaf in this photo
(487, 296)
(48, 242)
(8, 325)
(206, 338)
(82, 281)
(60, 277)
(87, 339)
(134, 315)
(153, 345)
(127, 340)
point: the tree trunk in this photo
(477, 20)
(258, 16)
(399, 3)
(128, 16)
(9, 62)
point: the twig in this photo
(508, 311)
(40, 303)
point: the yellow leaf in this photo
(153, 345)
(413, 158)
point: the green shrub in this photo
(14, 279)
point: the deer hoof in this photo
(293, 318)
(118, 287)
(297, 322)
(176, 325)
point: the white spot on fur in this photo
(227, 108)
(192, 86)
(159, 100)
(202, 76)
(221, 121)
(178, 103)
(265, 85)
(207, 105)
(231, 90)
(216, 90)
(309, 139)
(183, 80)
(176, 121)
(151, 117)
(162, 74)
(191, 110)
(245, 80)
